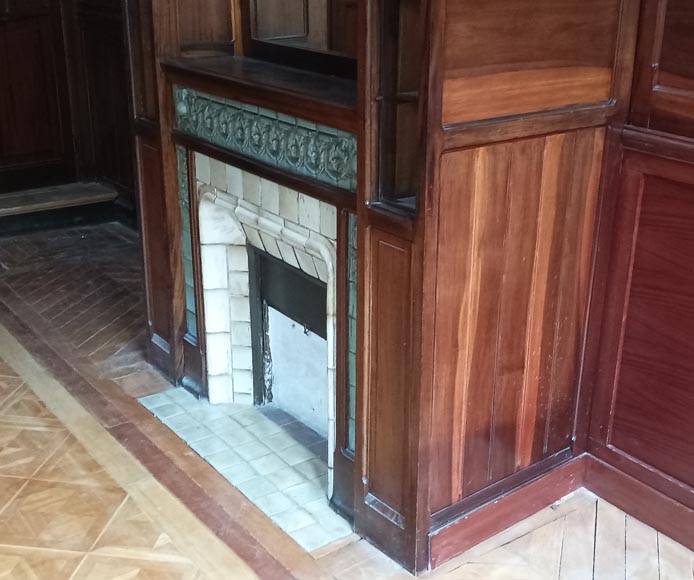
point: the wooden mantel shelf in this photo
(328, 100)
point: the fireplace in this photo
(268, 258)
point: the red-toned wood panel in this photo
(664, 87)
(511, 57)
(645, 401)
(156, 252)
(514, 253)
(390, 364)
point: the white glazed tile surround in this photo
(238, 208)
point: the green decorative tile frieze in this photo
(187, 242)
(289, 143)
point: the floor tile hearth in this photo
(274, 460)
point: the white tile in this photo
(214, 267)
(275, 503)
(253, 450)
(234, 181)
(253, 237)
(239, 309)
(256, 488)
(152, 401)
(312, 537)
(207, 413)
(263, 429)
(242, 359)
(288, 254)
(289, 204)
(268, 464)
(306, 492)
(249, 417)
(239, 473)
(223, 460)
(178, 422)
(193, 434)
(309, 212)
(209, 445)
(321, 269)
(328, 220)
(312, 468)
(241, 334)
(306, 263)
(237, 258)
(251, 187)
(280, 441)
(168, 410)
(217, 311)
(293, 519)
(285, 478)
(218, 353)
(297, 454)
(202, 167)
(243, 380)
(245, 399)
(270, 195)
(235, 437)
(238, 283)
(184, 398)
(218, 174)
(271, 246)
(220, 389)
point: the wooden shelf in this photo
(318, 98)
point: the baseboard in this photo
(641, 501)
(488, 520)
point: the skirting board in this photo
(607, 482)
(494, 517)
(641, 501)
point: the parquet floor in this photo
(93, 487)
(83, 286)
(66, 516)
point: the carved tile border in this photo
(282, 141)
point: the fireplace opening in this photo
(289, 340)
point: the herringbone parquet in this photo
(82, 288)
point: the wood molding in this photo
(641, 501)
(483, 523)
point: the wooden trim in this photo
(494, 517)
(340, 198)
(445, 516)
(280, 99)
(641, 501)
(658, 144)
(465, 135)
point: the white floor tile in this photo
(268, 464)
(297, 454)
(293, 519)
(256, 488)
(286, 478)
(306, 492)
(275, 503)
(239, 472)
(253, 450)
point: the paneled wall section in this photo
(515, 242)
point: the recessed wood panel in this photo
(390, 380)
(654, 399)
(514, 253)
(506, 58)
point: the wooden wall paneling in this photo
(664, 83)
(643, 399)
(515, 244)
(385, 512)
(155, 248)
(497, 65)
(36, 146)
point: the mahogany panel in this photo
(35, 144)
(514, 254)
(664, 86)
(644, 401)
(506, 58)
(155, 251)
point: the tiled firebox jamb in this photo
(227, 225)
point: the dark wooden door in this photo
(35, 143)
